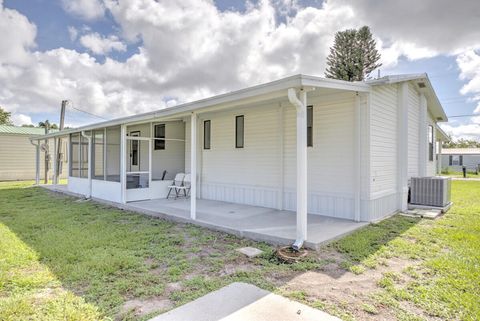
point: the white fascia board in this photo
(319, 82)
(264, 91)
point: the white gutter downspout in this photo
(301, 108)
(37, 161)
(89, 138)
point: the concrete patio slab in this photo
(257, 223)
(241, 301)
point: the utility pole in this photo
(59, 157)
(47, 157)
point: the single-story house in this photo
(302, 143)
(454, 159)
(17, 154)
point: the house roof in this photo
(270, 90)
(441, 135)
(423, 85)
(461, 151)
(17, 130)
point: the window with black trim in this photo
(206, 134)
(239, 131)
(430, 143)
(159, 133)
(309, 126)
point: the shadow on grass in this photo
(362, 246)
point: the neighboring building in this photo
(17, 154)
(301, 143)
(454, 159)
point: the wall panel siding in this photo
(432, 165)
(383, 136)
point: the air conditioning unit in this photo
(430, 191)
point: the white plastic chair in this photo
(177, 182)
(185, 187)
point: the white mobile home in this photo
(454, 159)
(304, 144)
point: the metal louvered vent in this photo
(430, 191)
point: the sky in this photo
(112, 58)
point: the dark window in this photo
(239, 131)
(135, 144)
(430, 143)
(206, 134)
(159, 137)
(309, 126)
(450, 160)
(461, 160)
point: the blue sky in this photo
(112, 59)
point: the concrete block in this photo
(250, 251)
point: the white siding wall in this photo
(253, 175)
(413, 131)
(383, 153)
(17, 158)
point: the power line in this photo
(84, 111)
(467, 115)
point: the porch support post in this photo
(55, 155)
(402, 147)
(357, 158)
(423, 134)
(193, 166)
(89, 173)
(123, 164)
(301, 108)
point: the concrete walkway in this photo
(240, 302)
(257, 223)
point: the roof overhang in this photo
(441, 135)
(264, 92)
(423, 85)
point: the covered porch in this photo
(253, 222)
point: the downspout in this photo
(301, 174)
(89, 138)
(37, 161)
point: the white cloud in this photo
(467, 131)
(190, 49)
(85, 9)
(73, 33)
(21, 119)
(101, 45)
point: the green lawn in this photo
(62, 259)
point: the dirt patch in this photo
(137, 308)
(338, 287)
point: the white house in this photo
(302, 143)
(17, 154)
(454, 159)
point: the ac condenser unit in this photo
(430, 191)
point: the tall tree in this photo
(5, 117)
(353, 55)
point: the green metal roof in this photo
(6, 129)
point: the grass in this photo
(444, 255)
(61, 259)
(82, 261)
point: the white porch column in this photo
(123, 162)
(37, 161)
(90, 165)
(193, 166)
(423, 136)
(357, 158)
(301, 108)
(402, 147)
(55, 155)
